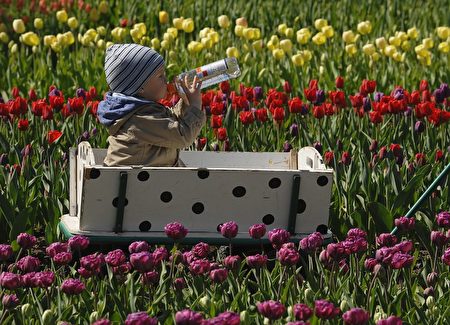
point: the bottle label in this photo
(212, 68)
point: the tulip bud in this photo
(224, 21)
(47, 317)
(428, 292)
(204, 301)
(93, 317)
(61, 16)
(344, 305)
(432, 278)
(430, 302)
(38, 23)
(244, 316)
(72, 22)
(18, 26)
(309, 295)
(26, 310)
(163, 17)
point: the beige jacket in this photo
(153, 135)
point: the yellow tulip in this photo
(224, 21)
(214, 36)
(364, 27)
(14, 48)
(155, 43)
(375, 57)
(406, 45)
(38, 23)
(165, 45)
(307, 55)
(282, 28)
(303, 38)
(239, 30)
(207, 42)
(389, 50)
(232, 52)
(204, 32)
(394, 40)
(172, 55)
(286, 45)
(173, 31)
(444, 47)
(402, 35)
(3, 27)
(178, 23)
(242, 21)
(163, 17)
(428, 43)
(351, 49)
(61, 16)
(56, 47)
(101, 44)
(412, 33)
(278, 54)
(381, 43)
(328, 31)
(194, 47)
(298, 60)
(275, 40)
(443, 32)
(72, 22)
(420, 50)
(320, 23)
(319, 38)
(399, 57)
(168, 37)
(369, 49)
(142, 28)
(30, 39)
(289, 32)
(4, 38)
(70, 39)
(349, 37)
(49, 39)
(101, 30)
(245, 48)
(18, 26)
(257, 45)
(94, 15)
(103, 7)
(248, 33)
(271, 46)
(109, 43)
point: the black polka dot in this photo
(239, 191)
(323, 229)
(203, 173)
(115, 202)
(143, 176)
(219, 226)
(301, 206)
(198, 208)
(94, 173)
(268, 219)
(145, 226)
(166, 196)
(322, 180)
(275, 182)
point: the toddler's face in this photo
(155, 88)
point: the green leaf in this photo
(382, 217)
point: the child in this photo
(142, 131)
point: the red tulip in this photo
(221, 134)
(216, 121)
(339, 82)
(32, 94)
(23, 125)
(53, 135)
(295, 105)
(261, 114)
(246, 117)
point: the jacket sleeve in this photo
(168, 130)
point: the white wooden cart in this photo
(122, 204)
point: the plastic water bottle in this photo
(213, 73)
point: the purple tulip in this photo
(179, 284)
(10, 281)
(385, 254)
(188, 317)
(138, 246)
(432, 278)
(429, 291)
(404, 223)
(28, 264)
(257, 231)
(391, 320)
(29, 280)
(320, 97)
(229, 229)
(304, 109)
(336, 251)
(312, 242)
(6, 252)
(199, 267)
(72, 286)
(293, 129)
(218, 275)
(93, 262)
(354, 245)
(142, 261)
(445, 257)
(175, 230)
(367, 105)
(439, 95)
(10, 301)
(302, 312)
(408, 112)
(443, 219)
(44, 279)
(102, 322)
(325, 309)
(78, 242)
(122, 268)
(232, 262)
(150, 278)
(225, 318)
(419, 127)
(287, 146)
(257, 93)
(200, 250)
(140, 318)
(25, 240)
(278, 237)
(398, 93)
(404, 246)
(115, 257)
(63, 258)
(271, 309)
(55, 248)
(256, 261)
(369, 264)
(188, 257)
(401, 260)
(81, 92)
(161, 254)
(356, 232)
(288, 256)
(318, 146)
(377, 96)
(356, 316)
(439, 238)
(386, 239)
(298, 322)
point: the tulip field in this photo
(365, 83)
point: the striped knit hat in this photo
(128, 66)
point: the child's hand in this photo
(192, 93)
